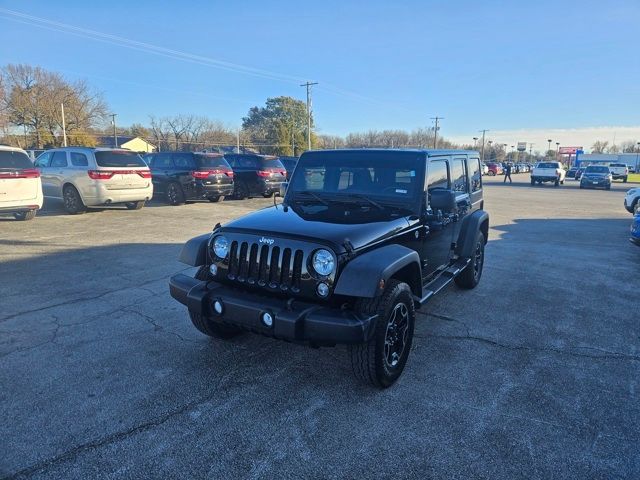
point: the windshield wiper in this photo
(360, 196)
(312, 195)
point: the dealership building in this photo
(631, 159)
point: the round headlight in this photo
(221, 246)
(323, 262)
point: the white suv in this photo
(89, 177)
(20, 186)
(632, 200)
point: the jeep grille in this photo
(265, 265)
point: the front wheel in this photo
(491, 173)
(175, 195)
(470, 276)
(240, 190)
(380, 361)
(557, 182)
(218, 198)
(23, 216)
(135, 205)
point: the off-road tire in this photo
(135, 205)
(175, 195)
(23, 216)
(219, 198)
(470, 276)
(72, 202)
(208, 326)
(368, 359)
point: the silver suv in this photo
(89, 177)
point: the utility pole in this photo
(64, 126)
(549, 149)
(435, 131)
(115, 135)
(557, 150)
(475, 142)
(482, 152)
(308, 85)
(530, 148)
(238, 141)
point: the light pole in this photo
(557, 149)
(637, 153)
(115, 135)
(482, 152)
(309, 85)
(490, 151)
(549, 149)
(475, 142)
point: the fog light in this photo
(267, 319)
(213, 269)
(218, 307)
(322, 289)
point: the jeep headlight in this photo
(323, 262)
(221, 246)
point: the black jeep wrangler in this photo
(361, 239)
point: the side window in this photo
(459, 175)
(59, 159)
(476, 174)
(43, 160)
(79, 159)
(182, 160)
(161, 161)
(438, 175)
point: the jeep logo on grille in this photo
(268, 241)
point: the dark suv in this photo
(362, 239)
(256, 175)
(185, 176)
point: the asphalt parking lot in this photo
(534, 374)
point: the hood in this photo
(277, 221)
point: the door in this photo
(460, 185)
(161, 168)
(183, 165)
(42, 164)
(475, 183)
(437, 244)
(57, 172)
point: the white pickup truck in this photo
(619, 171)
(548, 172)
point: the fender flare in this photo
(194, 252)
(478, 220)
(361, 276)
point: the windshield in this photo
(384, 176)
(119, 158)
(548, 165)
(14, 160)
(208, 160)
(597, 170)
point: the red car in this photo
(494, 169)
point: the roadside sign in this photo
(568, 150)
(522, 146)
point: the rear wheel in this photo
(30, 215)
(470, 276)
(491, 173)
(175, 195)
(240, 190)
(135, 205)
(72, 202)
(557, 182)
(219, 198)
(206, 325)
(380, 361)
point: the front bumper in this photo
(293, 320)
(588, 183)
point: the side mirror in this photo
(444, 200)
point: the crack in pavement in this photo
(159, 328)
(153, 423)
(53, 338)
(609, 355)
(84, 299)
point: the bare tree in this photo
(600, 146)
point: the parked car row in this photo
(84, 177)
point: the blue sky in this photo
(507, 66)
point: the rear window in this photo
(548, 165)
(116, 158)
(623, 165)
(270, 162)
(206, 161)
(14, 160)
(597, 170)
